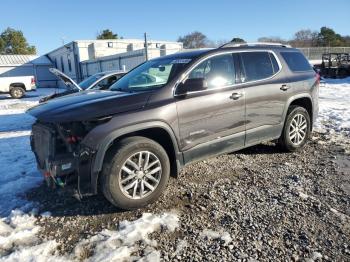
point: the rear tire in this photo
(17, 92)
(127, 182)
(297, 129)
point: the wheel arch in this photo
(303, 100)
(157, 131)
(17, 84)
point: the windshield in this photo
(150, 75)
(89, 81)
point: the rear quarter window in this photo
(296, 61)
(258, 65)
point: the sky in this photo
(46, 23)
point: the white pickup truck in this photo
(17, 86)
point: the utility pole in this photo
(146, 46)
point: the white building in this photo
(81, 58)
(28, 65)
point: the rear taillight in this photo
(32, 81)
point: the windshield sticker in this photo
(180, 61)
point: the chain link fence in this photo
(315, 53)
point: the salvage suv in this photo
(171, 111)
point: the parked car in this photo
(17, 86)
(99, 81)
(129, 139)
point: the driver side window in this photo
(218, 71)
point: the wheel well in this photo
(159, 135)
(17, 85)
(305, 103)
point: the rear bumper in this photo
(32, 88)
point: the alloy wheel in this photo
(140, 175)
(298, 129)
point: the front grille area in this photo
(43, 144)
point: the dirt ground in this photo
(270, 205)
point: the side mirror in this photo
(191, 85)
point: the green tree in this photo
(194, 40)
(328, 37)
(107, 34)
(13, 42)
(237, 40)
(346, 40)
(2, 45)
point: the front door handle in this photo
(236, 96)
(285, 87)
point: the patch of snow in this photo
(180, 247)
(19, 241)
(334, 110)
(17, 162)
(315, 62)
(111, 245)
(211, 234)
(18, 171)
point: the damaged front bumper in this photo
(71, 169)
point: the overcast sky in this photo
(45, 23)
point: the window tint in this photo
(257, 65)
(218, 71)
(296, 61)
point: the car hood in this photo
(69, 82)
(88, 105)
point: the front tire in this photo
(297, 129)
(17, 92)
(135, 173)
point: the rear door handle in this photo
(236, 96)
(285, 87)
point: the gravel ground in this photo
(255, 204)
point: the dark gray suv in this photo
(171, 111)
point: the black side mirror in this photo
(191, 85)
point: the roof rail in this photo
(253, 44)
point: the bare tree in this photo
(305, 38)
(194, 40)
(272, 39)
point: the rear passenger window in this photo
(219, 71)
(296, 61)
(258, 65)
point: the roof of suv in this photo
(257, 46)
